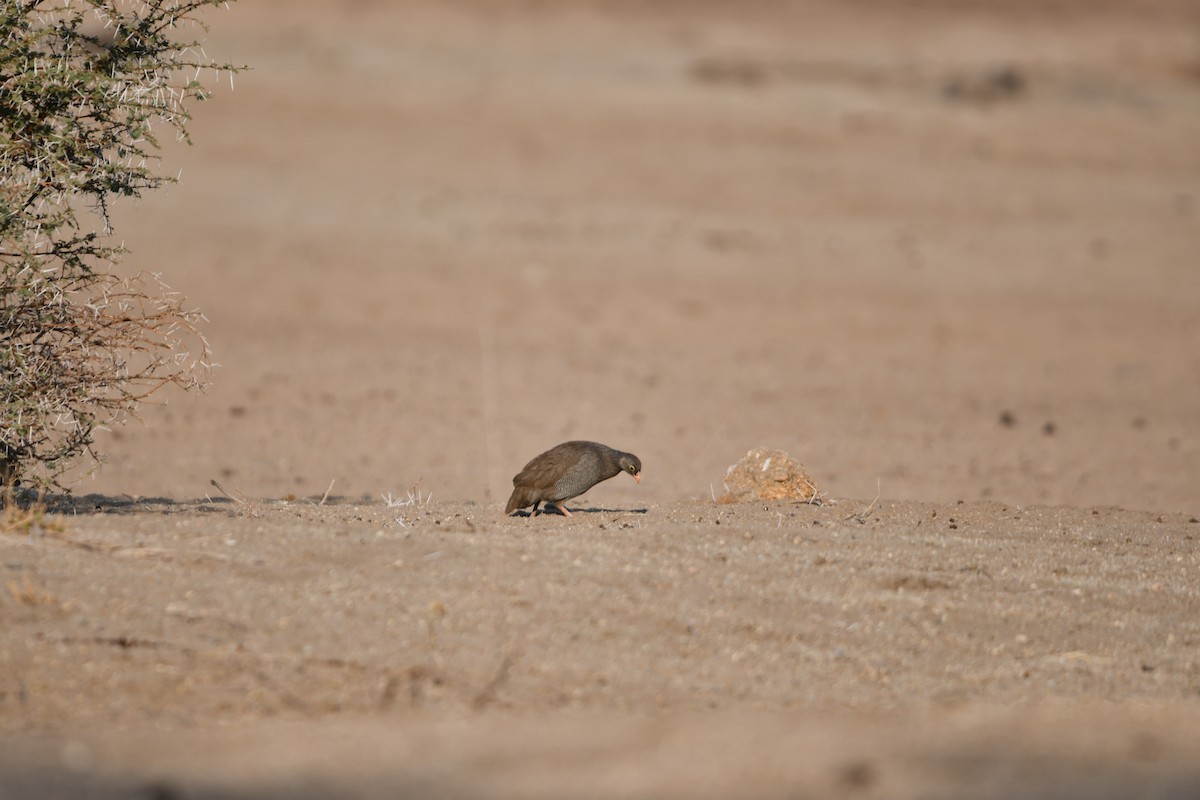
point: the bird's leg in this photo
(533, 511)
(562, 509)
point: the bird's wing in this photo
(545, 470)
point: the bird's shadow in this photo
(558, 513)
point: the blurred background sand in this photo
(934, 250)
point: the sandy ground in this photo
(943, 255)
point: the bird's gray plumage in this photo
(568, 470)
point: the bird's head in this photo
(631, 464)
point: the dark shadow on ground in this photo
(127, 504)
(130, 504)
(558, 513)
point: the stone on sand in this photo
(765, 474)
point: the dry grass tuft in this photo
(414, 498)
(26, 594)
(25, 517)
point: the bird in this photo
(568, 470)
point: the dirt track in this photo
(936, 253)
(663, 651)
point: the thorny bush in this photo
(85, 87)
